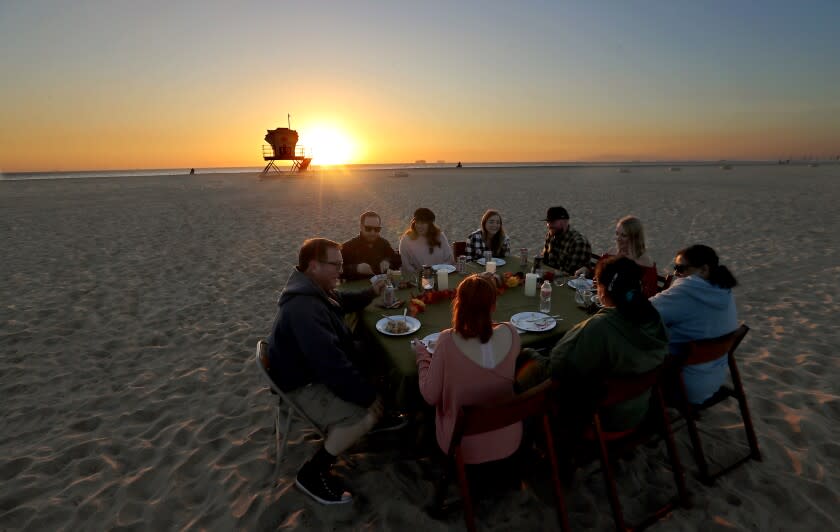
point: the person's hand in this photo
(419, 348)
(384, 266)
(378, 286)
(584, 270)
(364, 269)
(377, 408)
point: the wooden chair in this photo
(699, 352)
(533, 403)
(617, 391)
(292, 409)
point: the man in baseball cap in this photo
(565, 249)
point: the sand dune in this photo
(130, 308)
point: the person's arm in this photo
(350, 255)
(670, 303)
(354, 301)
(444, 243)
(409, 261)
(324, 353)
(579, 255)
(506, 247)
(580, 356)
(430, 372)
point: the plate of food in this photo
(448, 268)
(577, 282)
(431, 341)
(398, 325)
(498, 261)
(533, 321)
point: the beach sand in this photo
(130, 308)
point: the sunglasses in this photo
(375, 229)
(681, 268)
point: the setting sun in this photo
(328, 145)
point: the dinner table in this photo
(396, 350)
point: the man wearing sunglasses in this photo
(368, 254)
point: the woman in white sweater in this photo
(423, 243)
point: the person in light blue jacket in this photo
(699, 305)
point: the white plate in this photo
(499, 262)
(448, 268)
(413, 325)
(574, 283)
(533, 321)
(431, 338)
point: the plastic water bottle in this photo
(545, 298)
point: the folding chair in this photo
(699, 352)
(480, 419)
(618, 390)
(292, 409)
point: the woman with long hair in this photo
(630, 243)
(423, 243)
(490, 236)
(698, 305)
(473, 363)
(625, 337)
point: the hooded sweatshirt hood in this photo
(693, 309)
(299, 284)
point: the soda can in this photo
(523, 257)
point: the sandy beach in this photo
(130, 307)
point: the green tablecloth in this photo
(438, 316)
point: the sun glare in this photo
(328, 145)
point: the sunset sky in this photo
(162, 84)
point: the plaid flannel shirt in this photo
(476, 246)
(566, 252)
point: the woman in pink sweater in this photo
(473, 363)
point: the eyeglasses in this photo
(681, 268)
(339, 265)
(373, 228)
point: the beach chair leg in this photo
(289, 415)
(562, 511)
(673, 455)
(609, 477)
(463, 483)
(741, 396)
(277, 452)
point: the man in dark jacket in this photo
(368, 254)
(310, 352)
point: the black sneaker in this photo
(323, 486)
(390, 422)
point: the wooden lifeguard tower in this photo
(282, 146)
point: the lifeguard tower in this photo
(282, 146)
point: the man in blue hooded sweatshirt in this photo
(311, 352)
(699, 305)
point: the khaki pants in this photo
(344, 422)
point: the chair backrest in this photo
(264, 364)
(702, 351)
(626, 387)
(485, 418)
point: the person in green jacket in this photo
(626, 337)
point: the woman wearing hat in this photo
(423, 243)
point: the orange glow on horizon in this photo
(328, 144)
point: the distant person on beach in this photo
(423, 243)
(630, 243)
(473, 363)
(314, 359)
(368, 254)
(565, 249)
(192, 171)
(490, 236)
(699, 305)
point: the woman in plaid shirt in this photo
(491, 237)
